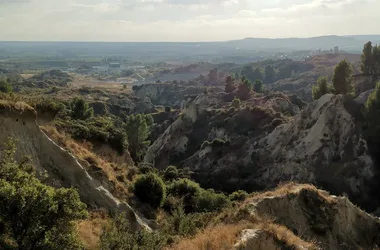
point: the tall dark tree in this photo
(342, 79)
(376, 59)
(80, 109)
(258, 86)
(138, 128)
(230, 85)
(269, 74)
(367, 59)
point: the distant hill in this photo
(175, 50)
(348, 43)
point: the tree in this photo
(80, 109)
(269, 74)
(246, 72)
(138, 129)
(372, 118)
(367, 59)
(150, 189)
(376, 59)
(32, 214)
(342, 78)
(321, 88)
(244, 89)
(230, 85)
(258, 86)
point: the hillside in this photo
(221, 161)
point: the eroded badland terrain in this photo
(274, 154)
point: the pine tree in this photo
(138, 130)
(342, 78)
(321, 88)
(80, 109)
(367, 59)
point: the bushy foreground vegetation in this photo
(32, 214)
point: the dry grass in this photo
(9, 105)
(285, 236)
(91, 229)
(216, 238)
(109, 171)
(286, 189)
(225, 236)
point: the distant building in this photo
(336, 49)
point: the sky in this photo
(183, 20)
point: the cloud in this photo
(183, 20)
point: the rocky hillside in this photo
(255, 148)
(18, 121)
(291, 216)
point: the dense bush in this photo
(171, 173)
(196, 199)
(121, 236)
(239, 195)
(32, 214)
(150, 189)
(5, 86)
(96, 129)
(209, 201)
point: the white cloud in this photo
(183, 20)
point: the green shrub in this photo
(187, 190)
(209, 201)
(32, 213)
(120, 235)
(196, 199)
(321, 88)
(180, 223)
(145, 168)
(150, 189)
(239, 195)
(171, 173)
(5, 86)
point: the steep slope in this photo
(292, 216)
(322, 145)
(255, 148)
(18, 120)
(331, 222)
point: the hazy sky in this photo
(184, 20)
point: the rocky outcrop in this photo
(321, 145)
(313, 215)
(166, 94)
(255, 148)
(19, 121)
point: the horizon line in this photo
(211, 41)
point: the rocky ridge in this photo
(18, 121)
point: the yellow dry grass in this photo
(289, 188)
(90, 230)
(82, 152)
(216, 238)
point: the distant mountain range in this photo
(349, 43)
(173, 50)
